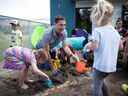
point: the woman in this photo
(19, 58)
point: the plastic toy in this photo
(56, 63)
(81, 67)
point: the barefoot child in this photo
(19, 58)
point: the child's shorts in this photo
(14, 65)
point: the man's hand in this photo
(76, 58)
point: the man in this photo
(54, 36)
(16, 35)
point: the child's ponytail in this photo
(101, 12)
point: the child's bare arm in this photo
(37, 71)
(92, 45)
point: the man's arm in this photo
(65, 46)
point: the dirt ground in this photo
(80, 87)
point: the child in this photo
(19, 58)
(16, 34)
(105, 44)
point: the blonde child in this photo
(105, 44)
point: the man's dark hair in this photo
(58, 18)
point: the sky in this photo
(37, 10)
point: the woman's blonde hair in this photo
(102, 12)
